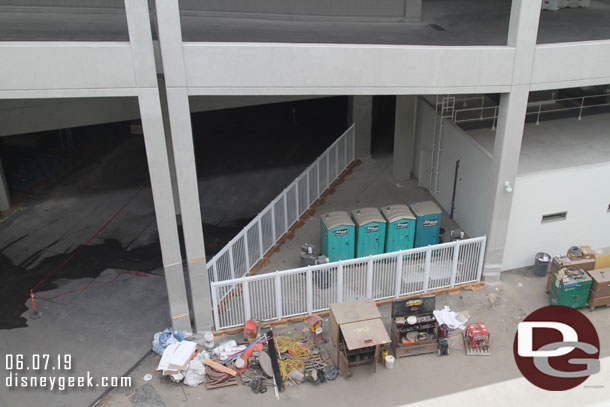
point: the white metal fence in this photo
(312, 289)
(250, 245)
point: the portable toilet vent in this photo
(428, 225)
(370, 231)
(400, 233)
(338, 236)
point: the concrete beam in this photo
(158, 163)
(360, 112)
(522, 34)
(404, 137)
(5, 195)
(170, 39)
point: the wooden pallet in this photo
(470, 351)
(591, 307)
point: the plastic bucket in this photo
(542, 264)
(209, 340)
(389, 362)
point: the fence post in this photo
(427, 268)
(337, 158)
(231, 261)
(454, 264)
(369, 278)
(278, 296)
(215, 306)
(246, 291)
(481, 258)
(398, 274)
(260, 236)
(296, 198)
(215, 272)
(340, 282)
(309, 291)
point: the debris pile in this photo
(250, 361)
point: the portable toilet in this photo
(400, 234)
(338, 236)
(370, 231)
(428, 225)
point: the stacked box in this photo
(600, 289)
(602, 258)
(560, 262)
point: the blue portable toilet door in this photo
(401, 235)
(343, 247)
(371, 244)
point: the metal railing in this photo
(312, 289)
(250, 245)
(539, 108)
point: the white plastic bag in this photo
(195, 373)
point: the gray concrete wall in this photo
(404, 9)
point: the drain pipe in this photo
(455, 179)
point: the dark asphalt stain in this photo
(437, 27)
(88, 262)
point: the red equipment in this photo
(477, 335)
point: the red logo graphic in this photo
(556, 348)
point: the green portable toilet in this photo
(428, 225)
(400, 233)
(338, 236)
(370, 231)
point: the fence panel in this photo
(341, 164)
(314, 191)
(280, 216)
(303, 197)
(305, 290)
(441, 266)
(231, 307)
(262, 299)
(323, 172)
(332, 163)
(294, 293)
(384, 278)
(267, 229)
(240, 266)
(291, 204)
(324, 288)
(254, 244)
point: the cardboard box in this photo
(601, 282)
(346, 312)
(602, 258)
(598, 302)
(560, 262)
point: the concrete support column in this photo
(158, 165)
(170, 39)
(360, 111)
(5, 195)
(168, 142)
(404, 135)
(523, 29)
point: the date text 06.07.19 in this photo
(38, 361)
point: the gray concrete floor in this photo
(413, 379)
(370, 184)
(554, 144)
(444, 22)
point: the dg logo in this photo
(556, 348)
